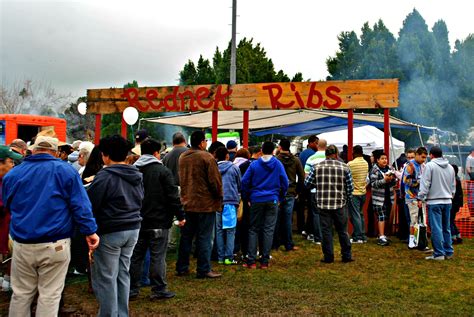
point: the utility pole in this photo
(233, 49)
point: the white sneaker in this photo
(436, 258)
(6, 286)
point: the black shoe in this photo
(133, 296)
(162, 295)
(347, 260)
(182, 273)
(209, 274)
(327, 261)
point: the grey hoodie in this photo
(146, 159)
(438, 183)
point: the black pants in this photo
(338, 217)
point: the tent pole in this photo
(350, 133)
(214, 125)
(246, 129)
(124, 128)
(419, 134)
(98, 124)
(391, 145)
(386, 131)
(459, 151)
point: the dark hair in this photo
(358, 151)
(254, 149)
(150, 146)
(94, 163)
(285, 144)
(421, 150)
(436, 151)
(312, 139)
(268, 147)
(178, 138)
(196, 138)
(66, 149)
(331, 150)
(378, 154)
(243, 153)
(214, 146)
(456, 169)
(410, 151)
(115, 147)
(221, 153)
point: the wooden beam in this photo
(334, 95)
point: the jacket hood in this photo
(146, 159)
(239, 161)
(270, 164)
(129, 173)
(441, 162)
(224, 166)
(286, 159)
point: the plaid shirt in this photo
(333, 182)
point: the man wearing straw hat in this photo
(46, 199)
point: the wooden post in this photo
(124, 129)
(386, 131)
(214, 125)
(98, 125)
(350, 133)
(246, 129)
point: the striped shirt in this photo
(359, 170)
(333, 182)
(314, 159)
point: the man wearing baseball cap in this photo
(46, 199)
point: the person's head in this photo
(345, 148)
(64, 151)
(85, 150)
(94, 163)
(7, 159)
(436, 152)
(255, 151)
(411, 153)
(214, 146)
(243, 153)
(114, 149)
(198, 140)
(141, 136)
(19, 146)
(313, 142)
(151, 147)
(268, 148)
(380, 157)
(331, 152)
(420, 155)
(179, 139)
(284, 145)
(76, 144)
(322, 144)
(45, 144)
(357, 151)
(222, 154)
(231, 146)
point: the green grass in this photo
(382, 281)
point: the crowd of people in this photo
(109, 210)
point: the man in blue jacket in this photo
(46, 199)
(265, 185)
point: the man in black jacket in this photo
(160, 205)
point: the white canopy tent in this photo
(369, 137)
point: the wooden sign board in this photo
(352, 94)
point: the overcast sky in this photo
(76, 45)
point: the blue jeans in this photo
(285, 223)
(263, 217)
(155, 243)
(357, 217)
(440, 229)
(201, 225)
(110, 277)
(225, 240)
(318, 237)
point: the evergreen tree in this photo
(346, 64)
